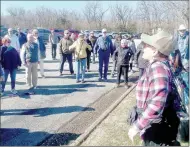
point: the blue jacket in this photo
(22, 38)
(10, 58)
(183, 46)
(103, 45)
(42, 48)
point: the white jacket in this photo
(14, 41)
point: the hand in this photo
(132, 132)
(1, 78)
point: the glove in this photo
(132, 132)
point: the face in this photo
(92, 34)
(148, 52)
(10, 32)
(19, 30)
(66, 34)
(35, 34)
(182, 32)
(8, 43)
(123, 44)
(30, 38)
(104, 34)
(52, 31)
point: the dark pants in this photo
(125, 69)
(67, 57)
(159, 135)
(88, 60)
(131, 66)
(103, 61)
(12, 76)
(53, 50)
(141, 71)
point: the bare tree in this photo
(121, 14)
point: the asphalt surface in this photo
(51, 116)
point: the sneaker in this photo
(112, 75)
(105, 79)
(13, 91)
(77, 81)
(83, 81)
(60, 74)
(99, 79)
(34, 87)
(43, 77)
(117, 85)
(126, 86)
(72, 73)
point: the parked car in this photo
(97, 33)
(4, 31)
(44, 34)
(76, 32)
(59, 33)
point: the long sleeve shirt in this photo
(151, 93)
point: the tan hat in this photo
(162, 41)
(182, 27)
(81, 34)
(66, 31)
(104, 30)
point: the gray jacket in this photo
(142, 63)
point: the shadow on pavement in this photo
(52, 61)
(24, 137)
(42, 112)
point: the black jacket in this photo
(124, 55)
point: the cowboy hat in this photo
(162, 41)
(182, 27)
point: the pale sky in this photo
(72, 5)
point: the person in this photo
(152, 91)
(183, 49)
(30, 60)
(14, 40)
(124, 56)
(21, 37)
(1, 75)
(88, 52)
(80, 47)
(41, 52)
(92, 39)
(142, 63)
(10, 61)
(133, 48)
(104, 47)
(53, 40)
(116, 44)
(73, 38)
(64, 52)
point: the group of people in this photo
(159, 58)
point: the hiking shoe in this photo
(13, 91)
(99, 79)
(77, 81)
(116, 85)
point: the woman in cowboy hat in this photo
(152, 93)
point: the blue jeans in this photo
(12, 76)
(80, 65)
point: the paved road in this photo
(27, 120)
